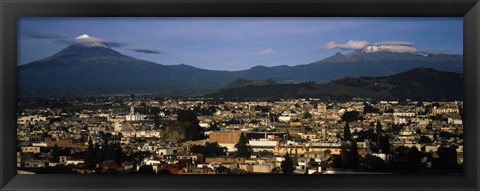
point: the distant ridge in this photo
(244, 83)
(416, 84)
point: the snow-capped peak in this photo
(389, 48)
(88, 41)
(83, 36)
(374, 48)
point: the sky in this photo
(239, 43)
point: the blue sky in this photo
(236, 43)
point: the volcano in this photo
(90, 67)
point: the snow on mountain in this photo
(389, 48)
(86, 41)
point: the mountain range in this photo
(92, 68)
(424, 84)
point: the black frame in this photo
(11, 10)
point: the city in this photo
(246, 95)
(135, 134)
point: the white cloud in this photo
(390, 46)
(400, 48)
(265, 52)
(350, 45)
(395, 42)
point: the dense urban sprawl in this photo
(145, 135)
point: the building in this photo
(132, 116)
(226, 139)
(30, 150)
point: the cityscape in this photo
(368, 107)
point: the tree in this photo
(349, 155)
(350, 116)
(110, 153)
(222, 170)
(99, 153)
(156, 121)
(448, 157)
(367, 108)
(378, 128)
(209, 150)
(190, 124)
(355, 157)
(55, 153)
(243, 150)
(424, 140)
(347, 135)
(367, 134)
(287, 165)
(373, 163)
(307, 115)
(414, 163)
(89, 159)
(214, 127)
(120, 156)
(187, 115)
(385, 144)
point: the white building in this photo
(134, 116)
(284, 118)
(31, 119)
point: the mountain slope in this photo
(357, 64)
(244, 83)
(418, 84)
(80, 70)
(92, 68)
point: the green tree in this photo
(367, 108)
(385, 144)
(424, 140)
(287, 165)
(209, 150)
(373, 163)
(222, 170)
(295, 158)
(349, 155)
(156, 120)
(347, 135)
(110, 153)
(187, 115)
(190, 124)
(414, 163)
(55, 153)
(378, 128)
(355, 157)
(89, 159)
(99, 153)
(214, 127)
(350, 116)
(243, 150)
(448, 157)
(307, 115)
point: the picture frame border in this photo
(11, 11)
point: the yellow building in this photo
(30, 149)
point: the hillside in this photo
(417, 84)
(244, 83)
